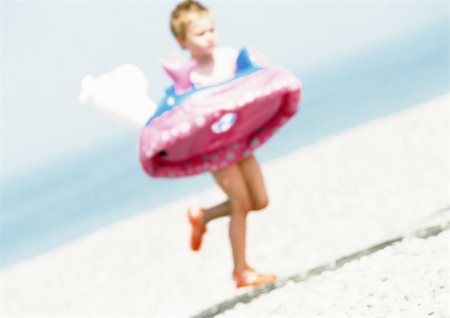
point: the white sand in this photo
(339, 195)
(409, 279)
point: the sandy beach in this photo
(409, 278)
(342, 194)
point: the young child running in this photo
(193, 27)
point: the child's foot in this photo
(195, 216)
(248, 277)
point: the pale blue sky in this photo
(47, 47)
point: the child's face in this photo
(200, 36)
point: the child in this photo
(193, 27)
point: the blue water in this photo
(75, 196)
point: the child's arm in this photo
(121, 92)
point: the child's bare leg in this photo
(217, 211)
(232, 183)
(254, 180)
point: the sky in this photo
(47, 47)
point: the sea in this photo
(69, 198)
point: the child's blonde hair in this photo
(182, 16)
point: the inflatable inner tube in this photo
(212, 127)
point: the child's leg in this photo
(233, 184)
(254, 180)
(251, 171)
(217, 211)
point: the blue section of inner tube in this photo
(244, 65)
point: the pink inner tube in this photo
(220, 126)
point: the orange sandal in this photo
(198, 229)
(248, 277)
